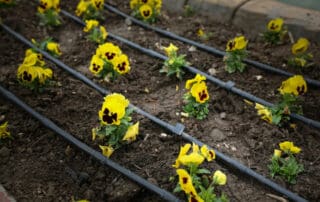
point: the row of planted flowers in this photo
(115, 127)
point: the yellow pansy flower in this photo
(121, 64)
(54, 47)
(199, 92)
(103, 32)
(237, 43)
(26, 73)
(133, 3)
(183, 151)
(43, 74)
(113, 109)
(208, 154)
(44, 5)
(4, 133)
(171, 49)
(197, 79)
(131, 133)
(96, 65)
(193, 158)
(277, 153)
(106, 150)
(108, 51)
(185, 182)
(98, 4)
(288, 147)
(264, 112)
(90, 24)
(82, 7)
(145, 11)
(219, 178)
(158, 5)
(300, 46)
(275, 25)
(294, 85)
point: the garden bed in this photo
(39, 166)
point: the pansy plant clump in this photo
(33, 72)
(275, 32)
(146, 10)
(115, 127)
(174, 64)
(48, 11)
(96, 33)
(197, 97)
(236, 52)
(49, 46)
(90, 9)
(6, 3)
(198, 183)
(301, 57)
(109, 62)
(290, 90)
(284, 163)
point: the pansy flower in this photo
(98, 4)
(82, 7)
(145, 11)
(185, 182)
(289, 147)
(200, 92)
(275, 25)
(26, 73)
(300, 46)
(171, 49)
(197, 79)
(54, 48)
(237, 43)
(219, 178)
(193, 158)
(131, 133)
(121, 64)
(90, 24)
(113, 109)
(183, 151)
(108, 51)
(208, 154)
(264, 112)
(96, 65)
(294, 85)
(106, 150)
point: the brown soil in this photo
(40, 166)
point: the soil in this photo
(38, 165)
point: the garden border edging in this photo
(252, 16)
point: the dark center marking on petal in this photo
(109, 118)
(146, 13)
(109, 55)
(203, 95)
(184, 180)
(26, 76)
(122, 66)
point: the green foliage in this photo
(233, 61)
(96, 36)
(273, 37)
(113, 134)
(174, 65)
(92, 13)
(301, 60)
(195, 109)
(281, 111)
(286, 167)
(189, 11)
(49, 18)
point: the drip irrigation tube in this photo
(177, 130)
(229, 85)
(84, 147)
(206, 48)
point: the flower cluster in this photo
(174, 64)
(115, 127)
(276, 32)
(301, 58)
(4, 133)
(6, 3)
(90, 9)
(48, 11)
(49, 46)
(109, 62)
(198, 183)
(290, 90)
(284, 163)
(236, 52)
(32, 73)
(97, 33)
(197, 98)
(147, 10)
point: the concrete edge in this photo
(4, 196)
(252, 16)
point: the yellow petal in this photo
(106, 150)
(131, 133)
(219, 178)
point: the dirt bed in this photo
(40, 166)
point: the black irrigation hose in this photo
(178, 129)
(84, 147)
(229, 85)
(206, 48)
